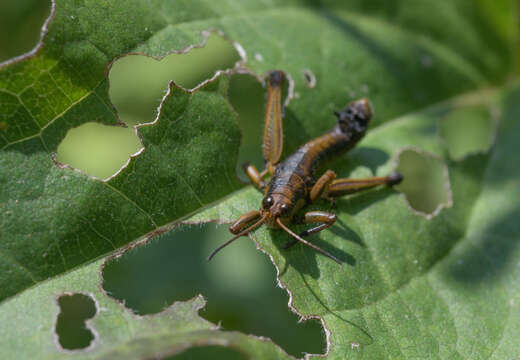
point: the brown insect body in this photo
(294, 178)
(294, 183)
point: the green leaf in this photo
(411, 286)
(119, 333)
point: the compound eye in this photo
(267, 202)
(285, 209)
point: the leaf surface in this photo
(411, 286)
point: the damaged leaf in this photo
(410, 282)
(411, 286)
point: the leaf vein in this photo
(11, 259)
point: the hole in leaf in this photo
(247, 96)
(137, 85)
(138, 82)
(425, 183)
(209, 352)
(71, 328)
(239, 285)
(20, 26)
(310, 78)
(97, 149)
(467, 131)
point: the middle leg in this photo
(326, 220)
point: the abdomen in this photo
(312, 155)
(295, 176)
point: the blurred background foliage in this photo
(240, 283)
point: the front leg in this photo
(243, 221)
(240, 228)
(326, 220)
